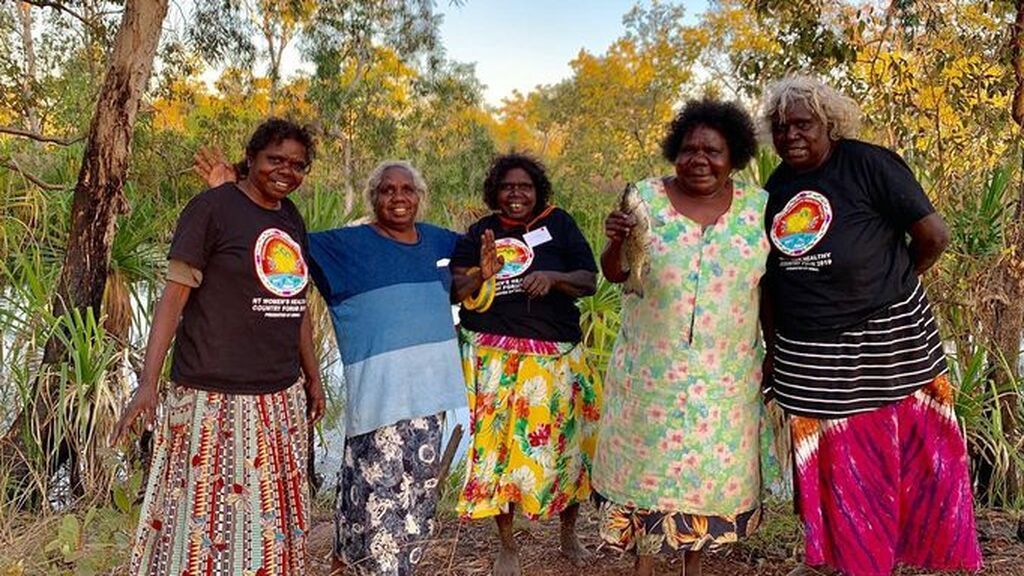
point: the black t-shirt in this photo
(239, 332)
(838, 234)
(553, 243)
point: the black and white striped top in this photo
(896, 352)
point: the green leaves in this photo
(760, 168)
(95, 541)
(68, 540)
(979, 219)
(124, 495)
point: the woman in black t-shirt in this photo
(534, 402)
(854, 355)
(227, 490)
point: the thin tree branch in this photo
(1017, 61)
(890, 14)
(1017, 105)
(62, 8)
(10, 164)
(29, 73)
(40, 137)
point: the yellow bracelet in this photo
(484, 297)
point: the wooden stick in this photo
(446, 459)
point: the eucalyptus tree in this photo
(612, 111)
(98, 200)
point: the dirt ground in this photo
(462, 549)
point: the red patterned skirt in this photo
(227, 492)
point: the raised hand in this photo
(211, 165)
(490, 262)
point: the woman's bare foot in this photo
(337, 566)
(507, 562)
(574, 551)
(643, 566)
(571, 547)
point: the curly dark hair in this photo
(501, 165)
(274, 131)
(729, 118)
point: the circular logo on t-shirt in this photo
(518, 257)
(801, 224)
(279, 263)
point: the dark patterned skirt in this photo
(386, 497)
(653, 532)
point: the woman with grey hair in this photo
(854, 355)
(388, 288)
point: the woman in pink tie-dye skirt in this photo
(855, 356)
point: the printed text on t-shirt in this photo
(279, 307)
(810, 263)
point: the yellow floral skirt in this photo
(534, 409)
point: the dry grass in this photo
(465, 549)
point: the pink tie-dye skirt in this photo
(886, 488)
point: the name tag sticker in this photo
(443, 263)
(537, 237)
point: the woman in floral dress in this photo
(677, 466)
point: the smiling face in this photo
(801, 138)
(397, 200)
(517, 195)
(277, 170)
(703, 164)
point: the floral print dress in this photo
(678, 460)
(387, 497)
(534, 408)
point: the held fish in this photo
(634, 249)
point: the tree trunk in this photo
(1008, 313)
(1017, 45)
(348, 177)
(99, 194)
(274, 55)
(28, 78)
(98, 200)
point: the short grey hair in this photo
(371, 193)
(840, 113)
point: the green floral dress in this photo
(678, 458)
